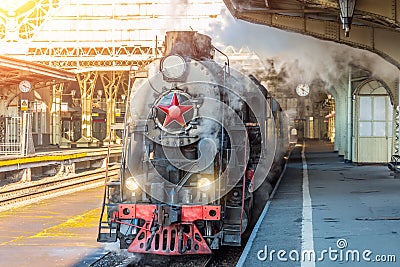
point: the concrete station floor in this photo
(61, 231)
(354, 208)
(344, 211)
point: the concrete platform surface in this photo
(56, 232)
(328, 213)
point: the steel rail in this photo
(39, 189)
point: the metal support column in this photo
(341, 120)
(87, 83)
(111, 82)
(348, 156)
(55, 135)
(397, 122)
(62, 141)
(339, 125)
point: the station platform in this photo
(49, 161)
(328, 213)
(54, 153)
(58, 232)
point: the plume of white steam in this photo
(304, 58)
(112, 247)
(186, 15)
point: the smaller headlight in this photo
(131, 184)
(173, 66)
(204, 184)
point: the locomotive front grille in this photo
(174, 236)
(175, 239)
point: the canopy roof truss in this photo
(106, 35)
(375, 25)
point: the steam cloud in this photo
(304, 58)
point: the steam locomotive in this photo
(199, 140)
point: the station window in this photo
(375, 112)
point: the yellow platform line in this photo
(89, 219)
(7, 162)
(66, 229)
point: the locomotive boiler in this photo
(199, 139)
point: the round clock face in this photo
(303, 89)
(25, 86)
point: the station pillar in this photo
(349, 142)
(56, 137)
(87, 83)
(396, 120)
(111, 82)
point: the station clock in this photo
(25, 86)
(303, 89)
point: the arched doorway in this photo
(373, 123)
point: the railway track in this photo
(29, 192)
(226, 257)
(114, 259)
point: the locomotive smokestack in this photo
(189, 44)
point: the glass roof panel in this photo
(12, 5)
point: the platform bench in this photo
(394, 165)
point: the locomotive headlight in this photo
(204, 184)
(173, 66)
(131, 184)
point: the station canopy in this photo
(13, 71)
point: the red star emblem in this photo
(174, 111)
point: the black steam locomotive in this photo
(199, 139)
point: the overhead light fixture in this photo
(346, 14)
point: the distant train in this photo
(199, 139)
